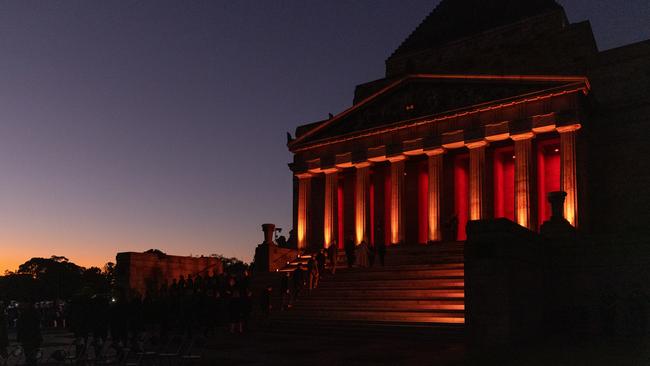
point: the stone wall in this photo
(142, 272)
(523, 287)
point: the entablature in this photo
(347, 155)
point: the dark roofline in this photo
(499, 29)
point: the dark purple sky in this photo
(129, 125)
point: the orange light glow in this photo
(304, 190)
(476, 179)
(397, 194)
(361, 202)
(568, 172)
(434, 179)
(523, 146)
(331, 192)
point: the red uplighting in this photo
(461, 196)
(423, 207)
(548, 176)
(504, 184)
(340, 214)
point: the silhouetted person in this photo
(284, 291)
(349, 251)
(362, 254)
(4, 333)
(173, 289)
(372, 251)
(313, 274)
(265, 302)
(320, 261)
(298, 281)
(189, 283)
(381, 251)
(181, 285)
(333, 254)
(246, 300)
(452, 227)
(118, 323)
(99, 321)
(292, 242)
(29, 332)
(234, 305)
(198, 283)
(281, 241)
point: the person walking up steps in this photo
(333, 254)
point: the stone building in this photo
(485, 108)
(147, 272)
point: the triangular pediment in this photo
(421, 96)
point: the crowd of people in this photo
(189, 305)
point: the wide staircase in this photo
(419, 290)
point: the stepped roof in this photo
(455, 19)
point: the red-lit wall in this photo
(371, 201)
(340, 213)
(387, 206)
(461, 194)
(548, 175)
(423, 203)
(504, 183)
(411, 201)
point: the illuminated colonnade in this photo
(477, 189)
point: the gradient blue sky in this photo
(129, 125)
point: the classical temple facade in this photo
(479, 116)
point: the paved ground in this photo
(258, 348)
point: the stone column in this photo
(304, 191)
(331, 191)
(523, 152)
(361, 202)
(568, 182)
(396, 199)
(435, 184)
(477, 180)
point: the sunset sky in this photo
(130, 125)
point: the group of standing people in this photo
(293, 283)
(28, 332)
(363, 255)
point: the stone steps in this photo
(423, 316)
(420, 286)
(419, 304)
(404, 283)
(355, 330)
(455, 292)
(371, 275)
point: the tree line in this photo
(54, 278)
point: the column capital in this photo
(477, 144)
(304, 175)
(523, 136)
(330, 171)
(364, 164)
(435, 152)
(569, 128)
(396, 158)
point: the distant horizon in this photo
(161, 124)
